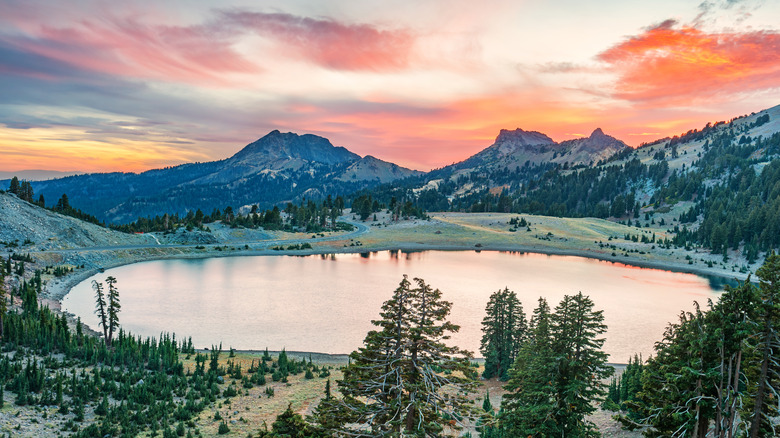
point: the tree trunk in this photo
(735, 386)
(703, 426)
(411, 419)
(758, 410)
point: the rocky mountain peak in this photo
(278, 145)
(599, 145)
(523, 138)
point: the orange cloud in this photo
(676, 65)
(67, 148)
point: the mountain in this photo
(277, 149)
(277, 168)
(511, 147)
(520, 148)
(715, 187)
(597, 147)
(36, 175)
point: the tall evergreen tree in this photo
(14, 188)
(527, 408)
(100, 307)
(695, 384)
(768, 345)
(581, 365)
(3, 302)
(113, 308)
(26, 191)
(290, 424)
(393, 384)
(558, 374)
(504, 328)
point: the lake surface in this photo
(325, 303)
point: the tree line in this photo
(308, 216)
(714, 372)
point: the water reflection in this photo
(326, 302)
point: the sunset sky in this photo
(133, 85)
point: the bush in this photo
(223, 428)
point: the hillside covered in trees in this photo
(726, 177)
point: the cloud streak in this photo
(672, 64)
(127, 47)
(207, 53)
(327, 42)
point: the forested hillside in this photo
(276, 169)
(724, 177)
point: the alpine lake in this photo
(325, 303)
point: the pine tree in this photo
(732, 320)
(581, 365)
(393, 383)
(558, 374)
(3, 303)
(768, 316)
(527, 408)
(681, 384)
(14, 188)
(504, 328)
(113, 308)
(100, 307)
(486, 405)
(26, 191)
(289, 424)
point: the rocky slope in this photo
(32, 228)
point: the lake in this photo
(324, 303)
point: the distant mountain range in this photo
(277, 168)
(37, 175)
(287, 167)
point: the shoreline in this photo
(57, 290)
(61, 287)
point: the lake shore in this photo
(444, 232)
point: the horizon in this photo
(138, 86)
(45, 174)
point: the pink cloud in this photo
(675, 64)
(203, 54)
(127, 47)
(206, 54)
(329, 43)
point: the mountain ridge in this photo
(287, 167)
(276, 168)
